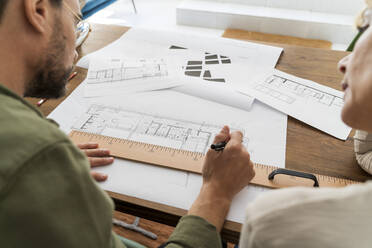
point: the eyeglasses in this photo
(81, 28)
(77, 16)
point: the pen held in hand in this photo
(39, 103)
(219, 146)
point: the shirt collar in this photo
(5, 91)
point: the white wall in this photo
(331, 20)
(348, 7)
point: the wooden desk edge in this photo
(165, 214)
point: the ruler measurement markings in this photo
(181, 159)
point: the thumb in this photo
(99, 177)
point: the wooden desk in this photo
(308, 149)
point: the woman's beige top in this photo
(363, 150)
(307, 217)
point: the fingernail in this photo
(102, 174)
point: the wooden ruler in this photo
(193, 162)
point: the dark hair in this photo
(3, 4)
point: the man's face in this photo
(58, 58)
(357, 84)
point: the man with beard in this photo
(47, 196)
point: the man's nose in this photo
(342, 64)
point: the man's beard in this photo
(51, 78)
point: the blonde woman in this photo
(304, 217)
(363, 139)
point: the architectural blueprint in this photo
(212, 81)
(305, 100)
(127, 70)
(273, 83)
(265, 127)
(157, 130)
(119, 76)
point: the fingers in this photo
(94, 161)
(88, 146)
(251, 172)
(97, 152)
(223, 136)
(99, 177)
(235, 140)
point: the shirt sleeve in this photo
(363, 150)
(306, 217)
(193, 231)
(54, 202)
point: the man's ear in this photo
(37, 13)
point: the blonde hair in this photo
(359, 21)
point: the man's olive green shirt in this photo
(47, 196)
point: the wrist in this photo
(211, 206)
(216, 192)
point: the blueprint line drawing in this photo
(129, 70)
(305, 92)
(152, 129)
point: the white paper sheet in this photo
(254, 59)
(216, 93)
(141, 41)
(305, 100)
(120, 76)
(265, 128)
(144, 127)
(208, 76)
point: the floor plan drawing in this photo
(157, 130)
(316, 104)
(128, 70)
(122, 76)
(281, 88)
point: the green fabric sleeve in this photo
(52, 201)
(194, 232)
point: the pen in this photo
(39, 103)
(219, 146)
(72, 76)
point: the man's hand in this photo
(228, 171)
(225, 173)
(97, 157)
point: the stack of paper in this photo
(205, 66)
(171, 118)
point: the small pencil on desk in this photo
(39, 103)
